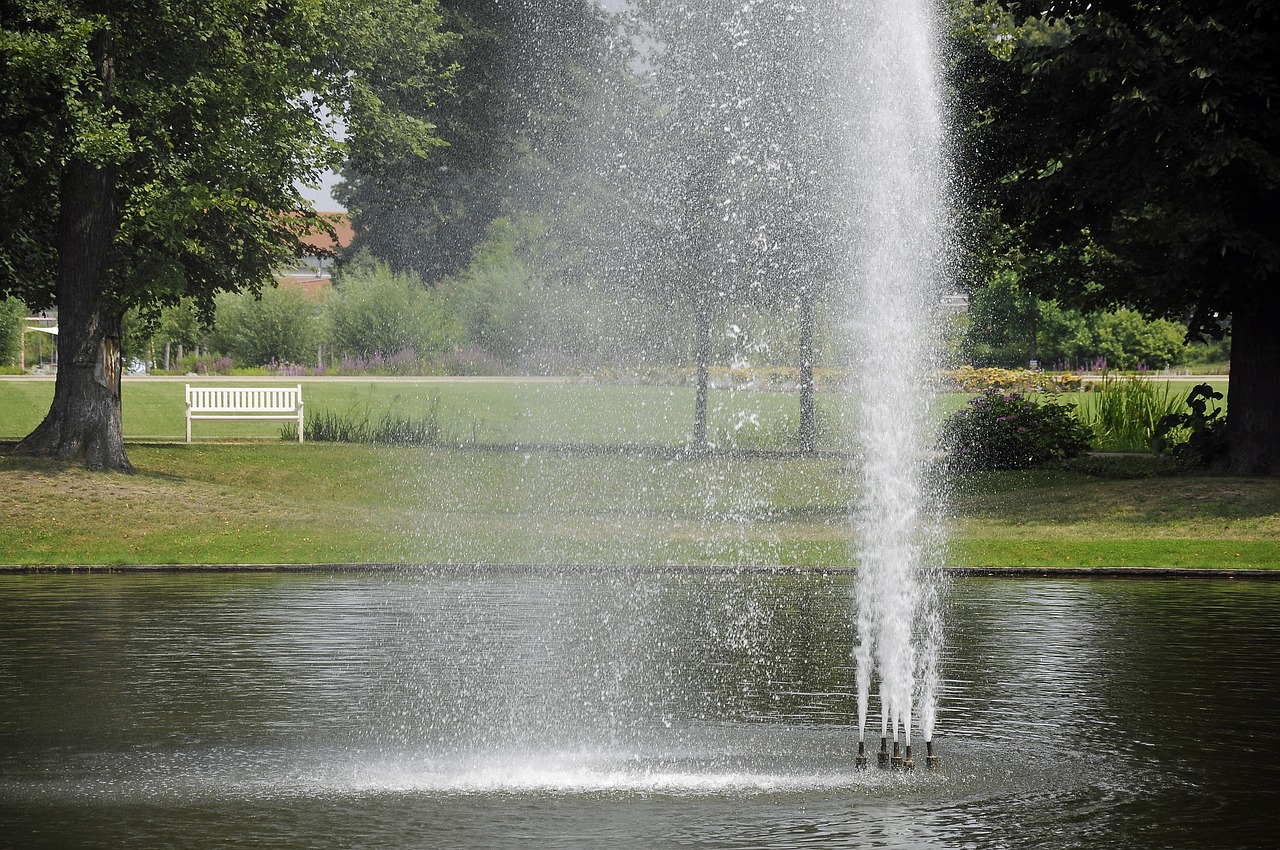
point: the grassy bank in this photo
(281, 503)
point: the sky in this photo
(322, 197)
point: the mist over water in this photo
(762, 185)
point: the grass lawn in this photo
(258, 500)
(1050, 518)
(481, 411)
(485, 411)
(272, 502)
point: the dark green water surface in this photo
(522, 709)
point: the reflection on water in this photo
(531, 709)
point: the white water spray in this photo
(900, 188)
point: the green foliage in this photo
(1204, 430)
(998, 430)
(1006, 320)
(1129, 149)
(179, 324)
(12, 312)
(1128, 154)
(496, 296)
(1128, 341)
(525, 77)
(1215, 353)
(1124, 413)
(280, 325)
(374, 311)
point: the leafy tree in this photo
(279, 324)
(495, 297)
(524, 75)
(374, 310)
(1129, 341)
(179, 326)
(1131, 151)
(150, 151)
(753, 154)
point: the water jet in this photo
(897, 270)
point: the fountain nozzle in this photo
(861, 760)
(909, 763)
(882, 757)
(930, 759)
(896, 760)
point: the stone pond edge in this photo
(380, 567)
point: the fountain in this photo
(898, 152)
(803, 169)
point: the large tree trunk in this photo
(808, 436)
(84, 420)
(1253, 409)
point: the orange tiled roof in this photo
(342, 228)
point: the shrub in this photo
(375, 312)
(327, 426)
(1010, 431)
(1197, 437)
(975, 380)
(281, 325)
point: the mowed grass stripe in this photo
(322, 503)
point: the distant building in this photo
(321, 266)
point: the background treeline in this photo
(378, 320)
(612, 186)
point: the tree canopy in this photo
(1131, 152)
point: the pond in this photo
(585, 709)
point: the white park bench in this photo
(245, 403)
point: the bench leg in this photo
(299, 426)
(188, 427)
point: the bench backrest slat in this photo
(265, 399)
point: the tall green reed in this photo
(1123, 412)
(326, 426)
